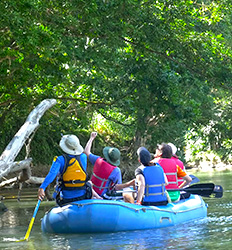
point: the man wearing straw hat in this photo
(70, 170)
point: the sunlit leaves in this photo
(150, 68)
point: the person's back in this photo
(164, 155)
(180, 164)
(154, 193)
(73, 176)
(106, 173)
(151, 181)
(164, 152)
(70, 169)
(170, 169)
(177, 161)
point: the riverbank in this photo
(206, 166)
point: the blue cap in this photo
(144, 156)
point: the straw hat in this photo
(70, 144)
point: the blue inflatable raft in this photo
(97, 216)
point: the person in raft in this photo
(106, 173)
(163, 156)
(151, 181)
(183, 195)
(70, 170)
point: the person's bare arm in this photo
(89, 143)
(124, 185)
(141, 187)
(187, 179)
(166, 180)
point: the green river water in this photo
(213, 232)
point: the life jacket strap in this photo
(100, 187)
(74, 181)
(102, 179)
(102, 182)
(155, 185)
(176, 179)
(175, 174)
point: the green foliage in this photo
(152, 69)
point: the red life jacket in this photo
(181, 165)
(170, 169)
(101, 172)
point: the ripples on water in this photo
(213, 232)
(193, 235)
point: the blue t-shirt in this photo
(56, 169)
(115, 176)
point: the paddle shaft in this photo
(173, 189)
(202, 189)
(189, 189)
(32, 220)
(192, 188)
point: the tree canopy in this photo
(138, 72)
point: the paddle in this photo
(31, 222)
(203, 189)
(194, 180)
(218, 191)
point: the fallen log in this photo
(7, 164)
(20, 165)
(13, 148)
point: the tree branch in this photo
(14, 147)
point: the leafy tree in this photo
(151, 69)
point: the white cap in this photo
(174, 149)
(70, 144)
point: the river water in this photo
(213, 232)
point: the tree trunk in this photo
(7, 164)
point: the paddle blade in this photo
(217, 192)
(29, 228)
(203, 189)
(20, 240)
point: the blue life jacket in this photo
(154, 184)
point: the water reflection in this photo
(10, 219)
(164, 238)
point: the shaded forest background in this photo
(137, 72)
